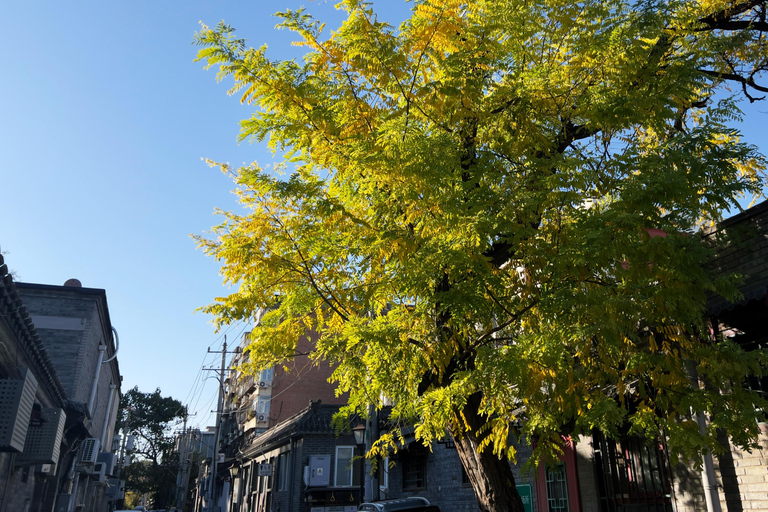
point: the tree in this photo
(491, 214)
(151, 417)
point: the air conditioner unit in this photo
(261, 418)
(263, 384)
(100, 471)
(16, 400)
(44, 441)
(115, 489)
(89, 451)
(109, 461)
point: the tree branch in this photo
(745, 82)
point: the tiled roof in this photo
(315, 419)
(17, 317)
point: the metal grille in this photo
(557, 489)
(632, 475)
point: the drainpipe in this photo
(112, 388)
(708, 479)
(102, 349)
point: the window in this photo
(414, 462)
(282, 472)
(347, 473)
(262, 406)
(267, 375)
(557, 488)
(383, 473)
(632, 474)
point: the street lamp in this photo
(233, 469)
(359, 432)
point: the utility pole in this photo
(121, 459)
(220, 406)
(181, 498)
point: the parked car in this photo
(412, 504)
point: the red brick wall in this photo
(305, 381)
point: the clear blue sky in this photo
(104, 119)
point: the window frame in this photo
(352, 465)
(283, 463)
(414, 462)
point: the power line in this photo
(198, 384)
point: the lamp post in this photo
(233, 470)
(359, 432)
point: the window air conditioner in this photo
(89, 451)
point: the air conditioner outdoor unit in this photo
(261, 417)
(263, 384)
(100, 471)
(109, 461)
(44, 441)
(89, 451)
(16, 400)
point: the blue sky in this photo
(104, 121)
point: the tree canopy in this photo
(151, 418)
(490, 213)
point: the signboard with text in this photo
(525, 494)
(265, 469)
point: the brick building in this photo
(253, 404)
(32, 402)
(626, 475)
(74, 327)
(59, 394)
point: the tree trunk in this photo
(491, 478)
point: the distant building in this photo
(194, 448)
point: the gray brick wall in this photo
(65, 347)
(71, 326)
(444, 479)
(743, 477)
(25, 487)
(744, 252)
(586, 469)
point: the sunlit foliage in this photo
(490, 213)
